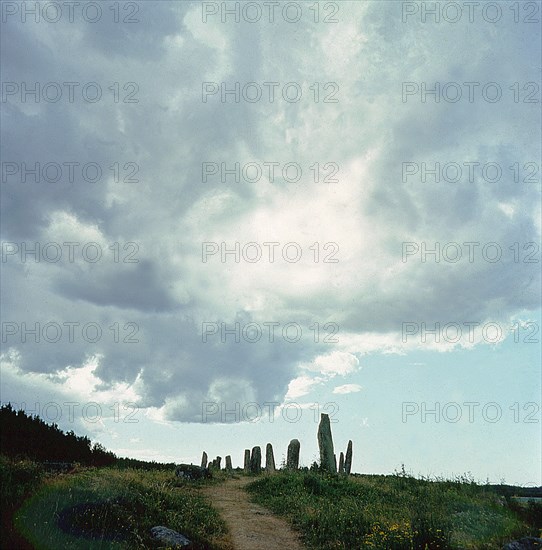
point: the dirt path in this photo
(252, 526)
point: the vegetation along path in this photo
(252, 526)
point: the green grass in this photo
(111, 508)
(390, 512)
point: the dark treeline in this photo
(25, 436)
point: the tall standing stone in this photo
(256, 460)
(341, 463)
(246, 466)
(228, 464)
(348, 459)
(218, 460)
(269, 459)
(292, 458)
(204, 460)
(325, 442)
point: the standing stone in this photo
(256, 460)
(246, 467)
(348, 459)
(292, 458)
(218, 460)
(341, 463)
(269, 459)
(204, 460)
(325, 442)
(228, 464)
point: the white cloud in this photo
(347, 388)
(76, 385)
(334, 364)
(300, 386)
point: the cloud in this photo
(347, 388)
(73, 396)
(334, 363)
(325, 367)
(368, 214)
(301, 386)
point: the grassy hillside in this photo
(114, 508)
(104, 508)
(394, 512)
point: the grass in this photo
(115, 508)
(391, 512)
(110, 508)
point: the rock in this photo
(341, 463)
(526, 543)
(246, 467)
(292, 458)
(169, 537)
(228, 464)
(325, 443)
(269, 459)
(348, 459)
(256, 460)
(204, 460)
(218, 460)
(189, 471)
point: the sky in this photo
(220, 220)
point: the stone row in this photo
(328, 458)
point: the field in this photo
(105, 508)
(97, 508)
(395, 512)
